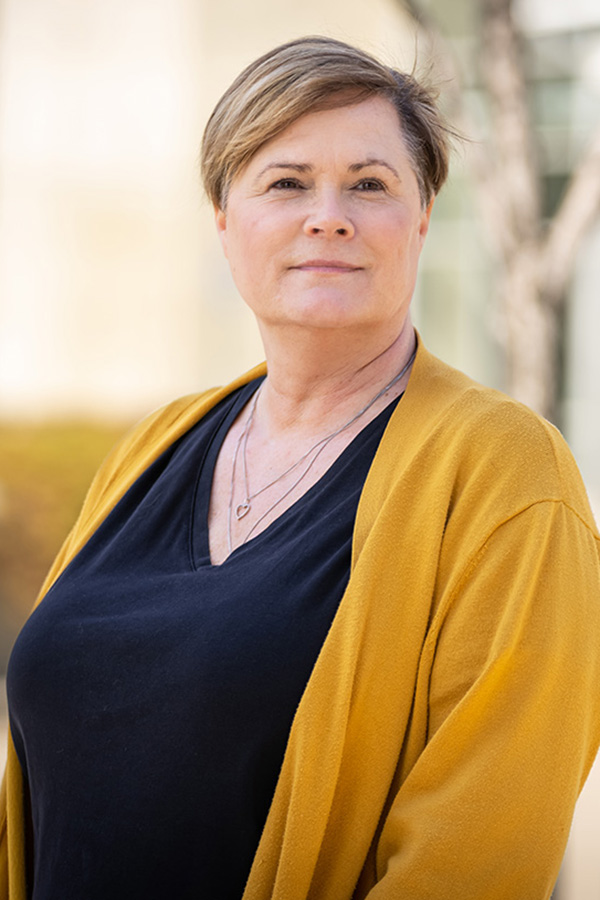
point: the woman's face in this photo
(324, 226)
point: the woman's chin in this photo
(322, 311)
(326, 318)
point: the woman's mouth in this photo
(326, 266)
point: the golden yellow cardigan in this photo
(454, 710)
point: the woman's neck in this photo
(315, 380)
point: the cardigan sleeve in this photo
(514, 719)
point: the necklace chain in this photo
(243, 508)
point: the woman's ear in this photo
(425, 218)
(221, 223)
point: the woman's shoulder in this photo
(147, 439)
(471, 411)
(487, 442)
(489, 420)
(131, 456)
(157, 431)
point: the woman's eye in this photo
(286, 184)
(370, 184)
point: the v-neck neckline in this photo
(199, 539)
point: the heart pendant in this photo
(242, 510)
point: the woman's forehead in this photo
(365, 128)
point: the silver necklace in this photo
(243, 508)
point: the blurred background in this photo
(114, 296)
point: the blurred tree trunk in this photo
(536, 257)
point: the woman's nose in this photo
(328, 218)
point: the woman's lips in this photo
(333, 266)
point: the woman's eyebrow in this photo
(306, 167)
(373, 161)
(295, 167)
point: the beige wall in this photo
(114, 293)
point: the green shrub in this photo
(45, 471)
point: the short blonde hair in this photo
(310, 74)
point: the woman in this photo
(332, 631)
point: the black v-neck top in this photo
(151, 693)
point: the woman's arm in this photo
(514, 720)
